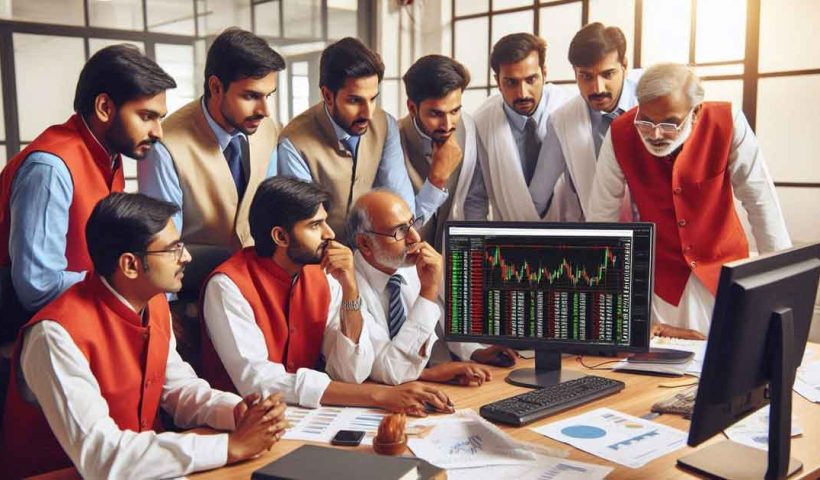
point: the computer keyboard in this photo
(530, 406)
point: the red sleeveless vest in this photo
(91, 173)
(292, 316)
(127, 359)
(688, 197)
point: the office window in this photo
(558, 24)
(720, 30)
(121, 14)
(178, 61)
(267, 19)
(786, 127)
(724, 91)
(302, 19)
(801, 209)
(301, 87)
(788, 35)
(470, 7)
(39, 62)
(666, 28)
(342, 18)
(171, 16)
(472, 99)
(217, 15)
(391, 97)
(64, 12)
(506, 4)
(504, 24)
(2, 155)
(471, 40)
(97, 44)
(2, 116)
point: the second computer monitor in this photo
(572, 288)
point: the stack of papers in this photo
(616, 436)
(321, 424)
(807, 382)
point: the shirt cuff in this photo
(429, 199)
(223, 418)
(210, 451)
(310, 386)
(464, 351)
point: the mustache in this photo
(254, 118)
(148, 142)
(599, 96)
(523, 100)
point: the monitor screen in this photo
(569, 286)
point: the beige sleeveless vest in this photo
(418, 168)
(331, 165)
(212, 213)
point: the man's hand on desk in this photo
(259, 424)
(412, 398)
(497, 355)
(462, 373)
(664, 330)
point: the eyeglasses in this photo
(401, 232)
(177, 250)
(667, 129)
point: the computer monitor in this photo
(551, 287)
(760, 324)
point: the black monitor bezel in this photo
(553, 345)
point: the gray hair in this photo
(668, 78)
(359, 220)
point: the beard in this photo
(438, 136)
(239, 125)
(664, 148)
(355, 127)
(390, 261)
(117, 137)
(302, 254)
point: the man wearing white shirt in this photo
(683, 160)
(511, 126)
(399, 277)
(94, 366)
(565, 171)
(277, 312)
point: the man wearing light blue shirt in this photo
(217, 149)
(564, 174)
(48, 190)
(348, 145)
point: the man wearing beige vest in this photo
(437, 131)
(217, 149)
(348, 145)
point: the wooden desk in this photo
(636, 399)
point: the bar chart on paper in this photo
(321, 424)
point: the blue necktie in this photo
(606, 121)
(395, 309)
(350, 144)
(233, 154)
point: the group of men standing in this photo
(295, 315)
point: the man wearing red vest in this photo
(47, 191)
(273, 317)
(92, 368)
(684, 160)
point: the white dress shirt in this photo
(401, 359)
(57, 373)
(241, 347)
(751, 184)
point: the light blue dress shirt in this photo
(479, 199)
(391, 173)
(157, 176)
(41, 196)
(551, 162)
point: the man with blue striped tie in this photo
(399, 277)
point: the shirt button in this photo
(677, 190)
(693, 264)
(681, 223)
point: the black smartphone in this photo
(348, 438)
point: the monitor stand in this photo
(750, 462)
(547, 371)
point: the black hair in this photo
(122, 223)
(281, 202)
(594, 42)
(122, 72)
(515, 47)
(237, 54)
(434, 76)
(348, 58)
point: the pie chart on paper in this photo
(583, 431)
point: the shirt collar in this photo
(223, 138)
(426, 140)
(118, 296)
(376, 278)
(519, 121)
(341, 134)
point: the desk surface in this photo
(636, 399)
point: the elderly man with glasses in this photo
(399, 277)
(685, 160)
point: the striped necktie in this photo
(395, 309)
